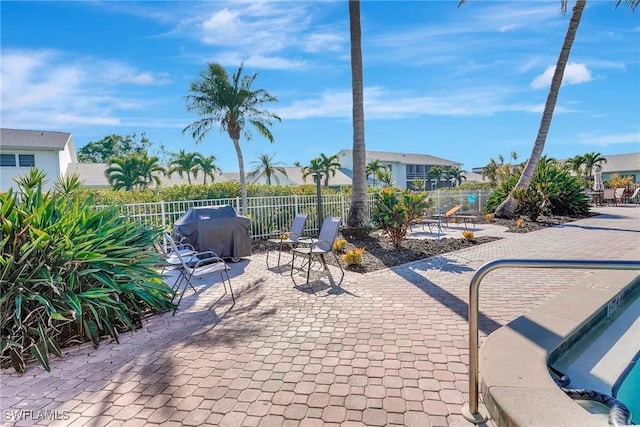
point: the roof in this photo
(44, 140)
(621, 163)
(294, 176)
(406, 158)
(93, 175)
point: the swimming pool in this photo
(627, 388)
(605, 358)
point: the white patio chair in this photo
(619, 196)
(319, 247)
(289, 239)
(198, 264)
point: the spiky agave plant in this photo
(69, 273)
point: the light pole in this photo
(317, 175)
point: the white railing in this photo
(275, 213)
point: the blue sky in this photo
(465, 84)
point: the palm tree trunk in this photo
(358, 208)
(508, 207)
(243, 183)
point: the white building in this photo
(404, 167)
(51, 152)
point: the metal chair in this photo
(289, 239)
(197, 265)
(319, 247)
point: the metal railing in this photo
(471, 412)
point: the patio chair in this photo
(635, 197)
(619, 195)
(289, 239)
(444, 217)
(609, 196)
(319, 247)
(164, 248)
(196, 265)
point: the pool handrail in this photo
(471, 411)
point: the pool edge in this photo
(516, 385)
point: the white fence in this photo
(274, 213)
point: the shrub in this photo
(617, 181)
(553, 191)
(395, 210)
(353, 256)
(339, 245)
(519, 222)
(468, 235)
(489, 217)
(70, 273)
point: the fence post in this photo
(343, 202)
(164, 225)
(295, 203)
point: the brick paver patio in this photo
(388, 348)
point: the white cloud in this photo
(382, 103)
(46, 88)
(610, 139)
(573, 74)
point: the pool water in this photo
(627, 389)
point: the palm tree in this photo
(208, 167)
(455, 175)
(437, 172)
(266, 165)
(315, 165)
(357, 216)
(508, 207)
(185, 163)
(372, 169)
(417, 184)
(385, 177)
(149, 169)
(123, 173)
(591, 160)
(329, 165)
(231, 104)
(575, 163)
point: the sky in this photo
(462, 83)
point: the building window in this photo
(26, 160)
(7, 160)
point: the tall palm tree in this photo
(185, 163)
(231, 103)
(124, 173)
(357, 216)
(266, 165)
(508, 207)
(455, 176)
(208, 167)
(372, 169)
(438, 173)
(149, 169)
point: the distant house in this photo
(93, 175)
(20, 150)
(294, 177)
(404, 167)
(623, 165)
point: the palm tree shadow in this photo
(443, 264)
(440, 294)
